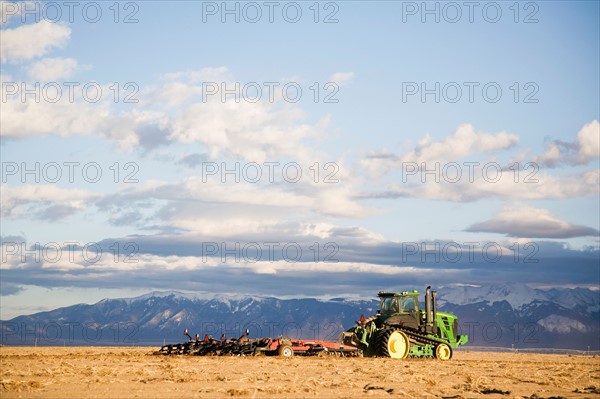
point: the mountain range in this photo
(499, 315)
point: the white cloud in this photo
(252, 131)
(433, 169)
(463, 142)
(45, 201)
(33, 40)
(242, 208)
(62, 118)
(57, 115)
(341, 78)
(104, 266)
(584, 150)
(50, 69)
(547, 187)
(256, 132)
(171, 94)
(550, 156)
(524, 221)
(588, 139)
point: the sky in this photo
(295, 149)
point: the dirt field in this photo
(63, 372)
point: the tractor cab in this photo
(392, 303)
(399, 309)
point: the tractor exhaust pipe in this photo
(428, 308)
(434, 305)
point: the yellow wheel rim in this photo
(398, 345)
(443, 352)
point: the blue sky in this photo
(378, 222)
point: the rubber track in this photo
(421, 339)
(381, 340)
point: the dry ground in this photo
(86, 372)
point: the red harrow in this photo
(244, 346)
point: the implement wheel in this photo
(443, 352)
(390, 343)
(285, 351)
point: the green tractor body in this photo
(401, 329)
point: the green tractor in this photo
(401, 329)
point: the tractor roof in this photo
(382, 294)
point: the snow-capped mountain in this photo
(493, 315)
(515, 314)
(519, 296)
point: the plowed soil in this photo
(100, 372)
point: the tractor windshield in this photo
(389, 305)
(397, 304)
(408, 304)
